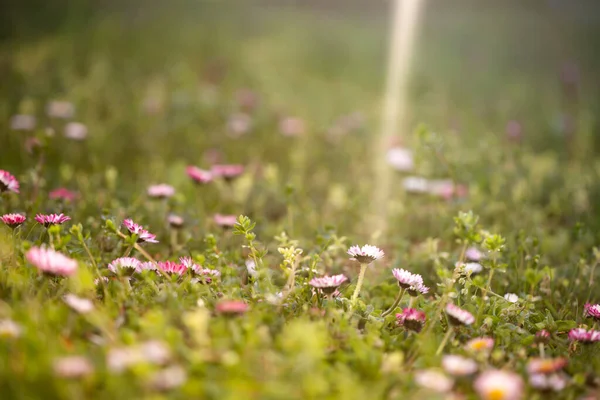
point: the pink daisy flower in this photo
(366, 254)
(51, 262)
(592, 310)
(499, 385)
(551, 382)
(328, 284)
(485, 344)
(8, 183)
(413, 283)
(458, 316)
(584, 336)
(199, 175)
(226, 221)
(175, 221)
(126, 266)
(411, 319)
(62, 194)
(546, 365)
(79, 304)
(171, 267)
(542, 336)
(51, 219)
(13, 220)
(143, 235)
(227, 171)
(161, 191)
(206, 273)
(231, 307)
(458, 365)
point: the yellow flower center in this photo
(495, 394)
(479, 345)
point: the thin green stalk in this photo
(396, 302)
(359, 283)
(444, 341)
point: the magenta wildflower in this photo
(366, 254)
(584, 336)
(51, 262)
(227, 171)
(142, 234)
(231, 307)
(225, 221)
(126, 266)
(51, 219)
(328, 284)
(499, 385)
(13, 220)
(199, 175)
(411, 319)
(458, 316)
(592, 310)
(8, 183)
(161, 191)
(62, 194)
(171, 267)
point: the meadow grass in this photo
(503, 183)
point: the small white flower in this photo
(366, 254)
(169, 378)
(473, 254)
(400, 159)
(251, 267)
(60, 109)
(459, 366)
(415, 184)
(72, 367)
(76, 131)
(499, 385)
(22, 122)
(79, 304)
(555, 382)
(511, 297)
(9, 328)
(434, 380)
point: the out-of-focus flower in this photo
(411, 319)
(102, 279)
(247, 99)
(32, 145)
(447, 189)
(151, 352)
(79, 304)
(584, 336)
(206, 273)
(161, 191)
(227, 171)
(592, 310)
(511, 297)
(292, 126)
(51, 262)
(76, 131)
(542, 336)
(22, 122)
(470, 268)
(9, 329)
(62, 194)
(225, 221)
(169, 378)
(401, 159)
(458, 316)
(13, 220)
(51, 219)
(551, 382)
(8, 183)
(199, 175)
(474, 254)
(569, 73)
(142, 234)
(328, 283)
(366, 254)
(458, 365)
(60, 109)
(239, 124)
(546, 365)
(175, 221)
(499, 385)
(251, 267)
(415, 184)
(231, 307)
(125, 266)
(514, 130)
(72, 367)
(434, 380)
(481, 344)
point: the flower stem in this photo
(361, 278)
(444, 341)
(396, 302)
